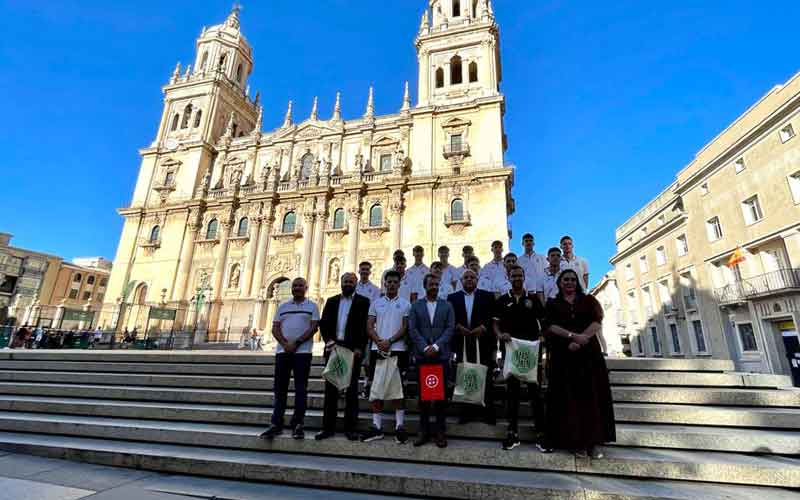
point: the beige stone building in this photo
(607, 294)
(224, 214)
(741, 190)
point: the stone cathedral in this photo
(224, 214)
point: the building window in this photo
(87, 295)
(676, 339)
(222, 60)
(639, 345)
(644, 231)
(661, 220)
(661, 256)
(175, 121)
(439, 78)
(73, 294)
(456, 8)
(197, 117)
(655, 340)
(99, 297)
(682, 245)
(787, 133)
(386, 163)
(306, 165)
(456, 76)
(244, 225)
(239, 73)
(747, 337)
(375, 216)
(751, 209)
(663, 294)
(234, 129)
(211, 230)
(456, 143)
(104, 282)
(169, 178)
(90, 280)
(632, 307)
(629, 271)
(643, 264)
(187, 115)
(204, 61)
(794, 186)
(338, 218)
(699, 336)
(738, 165)
(689, 294)
(473, 72)
(457, 209)
(714, 229)
(77, 278)
(155, 233)
(704, 189)
(648, 302)
(289, 222)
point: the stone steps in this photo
(401, 478)
(741, 440)
(629, 462)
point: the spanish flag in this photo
(736, 257)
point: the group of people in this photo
(437, 315)
(27, 337)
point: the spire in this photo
(337, 108)
(177, 72)
(424, 23)
(233, 17)
(314, 114)
(406, 99)
(259, 121)
(370, 112)
(287, 121)
(188, 71)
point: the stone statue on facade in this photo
(235, 275)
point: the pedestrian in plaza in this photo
(255, 340)
(580, 412)
(473, 310)
(517, 315)
(387, 328)
(344, 323)
(294, 327)
(431, 324)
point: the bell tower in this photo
(458, 52)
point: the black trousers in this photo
(351, 402)
(436, 409)
(286, 364)
(513, 392)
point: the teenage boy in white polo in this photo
(365, 287)
(571, 261)
(450, 275)
(387, 327)
(550, 278)
(494, 271)
(533, 263)
(293, 328)
(417, 271)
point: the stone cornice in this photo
(668, 227)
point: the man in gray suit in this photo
(431, 322)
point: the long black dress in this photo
(580, 411)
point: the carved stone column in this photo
(261, 252)
(352, 243)
(226, 222)
(316, 262)
(193, 225)
(425, 78)
(396, 209)
(252, 251)
(305, 258)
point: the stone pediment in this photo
(386, 141)
(456, 122)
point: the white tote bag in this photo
(522, 360)
(339, 368)
(470, 379)
(386, 383)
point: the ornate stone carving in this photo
(284, 263)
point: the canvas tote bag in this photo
(522, 360)
(470, 379)
(339, 368)
(386, 383)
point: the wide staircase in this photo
(687, 429)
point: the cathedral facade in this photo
(224, 214)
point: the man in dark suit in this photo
(430, 325)
(344, 323)
(474, 311)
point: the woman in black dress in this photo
(580, 412)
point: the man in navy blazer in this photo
(430, 325)
(474, 310)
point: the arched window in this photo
(475, 8)
(197, 117)
(187, 115)
(211, 230)
(104, 282)
(289, 222)
(239, 73)
(456, 8)
(222, 59)
(338, 218)
(204, 61)
(90, 280)
(233, 131)
(175, 121)
(169, 178)
(77, 278)
(473, 72)
(375, 215)
(155, 234)
(457, 209)
(306, 165)
(439, 78)
(141, 295)
(243, 226)
(456, 75)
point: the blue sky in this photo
(605, 102)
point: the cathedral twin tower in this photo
(224, 214)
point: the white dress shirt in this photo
(549, 284)
(494, 273)
(431, 304)
(450, 275)
(416, 274)
(341, 319)
(469, 301)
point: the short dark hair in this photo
(497, 242)
(515, 267)
(526, 236)
(427, 278)
(398, 252)
(391, 274)
(436, 263)
(366, 263)
(401, 258)
(444, 248)
(509, 254)
(467, 248)
(553, 249)
(565, 237)
(473, 258)
(417, 247)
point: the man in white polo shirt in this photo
(365, 287)
(466, 252)
(387, 327)
(494, 271)
(550, 276)
(397, 255)
(533, 263)
(417, 271)
(450, 275)
(571, 261)
(293, 328)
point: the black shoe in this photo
(323, 435)
(271, 431)
(298, 432)
(511, 441)
(544, 449)
(373, 434)
(352, 436)
(441, 440)
(422, 440)
(400, 436)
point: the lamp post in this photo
(198, 300)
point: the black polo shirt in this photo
(519, 317)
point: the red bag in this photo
(431, 382)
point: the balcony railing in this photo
(14, 269)
(669, 309)
(779, 281)
(456, 150)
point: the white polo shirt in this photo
(535, 262)
(577, 264)
(406, 287)
(451, 275)
(416, 274)
(368, 290)
(295, 319)
(549, 284)
(389, 314)
(495, 273)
